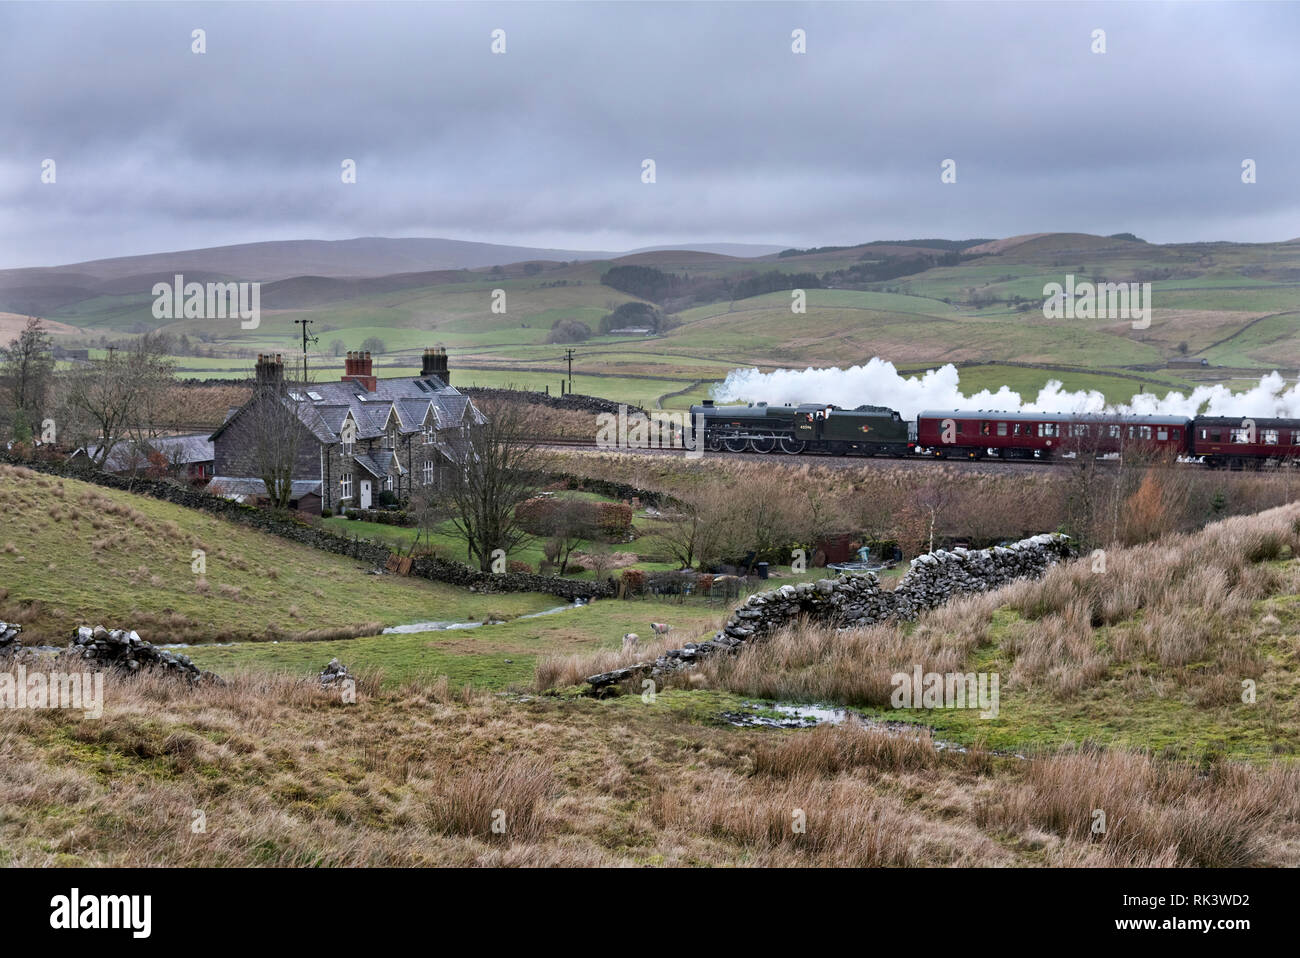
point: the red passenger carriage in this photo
(974, 434)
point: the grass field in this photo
(77, 554)
(1236, 305)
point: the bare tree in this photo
(28, 368)
(498, 465)
(695, 532)
(122, 395)
(566, 526)
(274, 430)
(428, 508)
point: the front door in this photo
(365, 493)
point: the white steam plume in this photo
(878, 383)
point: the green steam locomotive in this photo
(808, 427)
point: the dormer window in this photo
(390, 439)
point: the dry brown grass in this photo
(1158, 814)
(1181, 602)
(560, 671)
(287, 774)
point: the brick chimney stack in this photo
(269, 371)
(434, 363)
(358, 368)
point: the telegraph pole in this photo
(304, 323)
(568, 353)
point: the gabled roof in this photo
(376, 463)
(409, 399)
(413, 412)
(126, 454)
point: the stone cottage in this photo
(343, 443)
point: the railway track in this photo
(990, 465)
(821, 458)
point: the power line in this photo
(305, 323)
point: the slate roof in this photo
(239, 489)
(183, 449)
(410, 397)
(377, 463)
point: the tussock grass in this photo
(287, 774)
(828, 750)
(1156, 814)
(1179, 606)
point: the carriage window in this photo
(1020, 429)
(1215, 435)
(1240, 435)
(1271, 437)
(985, 428)
(1047, 429)
(1162, 434)
(1002, 429)
(1139, 432)
(960, 424)
(1114, 431)
(1080, 429)
(1178, 434)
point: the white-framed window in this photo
(1139, 432)
(390, 439)
(1271, 437)
(345, 486)
(428, 434)
(428, 472)
(388, 483)
(1047, 429)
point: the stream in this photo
(810, 716)
(410, 628)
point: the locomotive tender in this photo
(979, 434)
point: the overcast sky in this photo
(158, 148)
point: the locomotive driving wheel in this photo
(735, 443)
(792, 447)
(763, 444)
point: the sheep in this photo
(661, 628)
(631, 641)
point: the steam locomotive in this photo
(1219, 442)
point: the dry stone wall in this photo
(108, 649)
(853, 601)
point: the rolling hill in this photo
(978, 302)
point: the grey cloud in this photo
(161, 149)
